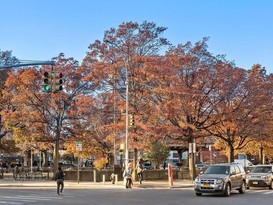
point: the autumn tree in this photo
(46, 117)
(122, 52)
(260, 138)
(6, 58)
(245, 105)
(183, 87)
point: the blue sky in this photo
(41, 29)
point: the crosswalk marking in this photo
(18, 199)
(30, 198)
(268, 192)
(260, 192)
(48, 197)
(9, 202)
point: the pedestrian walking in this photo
(139, 169)
(127, 174)
(112, 178)
(59, 177)
(16, 172)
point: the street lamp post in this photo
(115, 131)
(126, 125)
(126, 108)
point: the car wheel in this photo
(242, 188)
(198, 194)
(271, 185)
(227, 190)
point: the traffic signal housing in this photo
(47, 82)
(131, 120)
(58, 81)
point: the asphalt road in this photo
(144, 196)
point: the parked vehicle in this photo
(200, 165)
(68, 166)
(221, 178)
(147, 165)
(260, 176)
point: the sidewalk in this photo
(74, 184)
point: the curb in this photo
(50, 184)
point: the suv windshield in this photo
(262, 169)
(217, 170)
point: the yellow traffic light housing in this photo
(57, 81)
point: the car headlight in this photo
(248, 177)
(197, 180)
(218, 181)
(266, 176)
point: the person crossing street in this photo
(59, 177)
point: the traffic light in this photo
(47, 81)
(58, 81)
(131, 120)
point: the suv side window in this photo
(237, 169)
(232, 169)
(241, 168)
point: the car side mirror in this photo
(233, 173)
(201, 172)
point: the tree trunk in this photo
(261, 150)
(134, 164)
(191, 156)
(230, 153)
(26, 157)
(179, 155)
(45, 160)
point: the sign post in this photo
(78, 149)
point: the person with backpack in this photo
(127, 174)
(59, 178)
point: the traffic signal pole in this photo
(24, 63)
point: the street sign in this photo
(79, 146)
(192, 147)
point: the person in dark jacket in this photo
(59, 177)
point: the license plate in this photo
(206, 186)
(255, 182)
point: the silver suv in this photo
(260, 176)
(221, 178)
